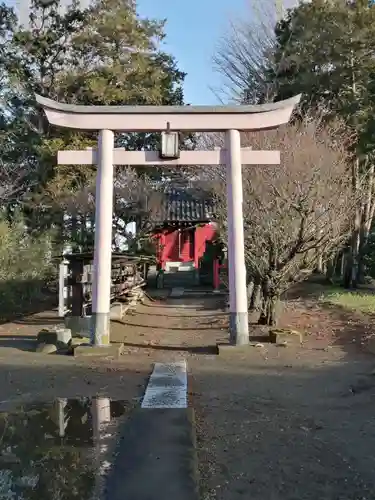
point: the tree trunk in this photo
(268, 314)
(351, 271)
(60, 236)
(366, 223)
(74, 234)
(360, 278)
(347, 275)
(250, 288)
(331, 269)
(319, 262)
(342, 264)
(354, 261)
(270, 300)
(255, 298)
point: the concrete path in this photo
(157, 456)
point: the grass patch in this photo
(359, 301)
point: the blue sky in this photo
(193, 31)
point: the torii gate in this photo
(228, 119)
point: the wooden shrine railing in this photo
(75, 280)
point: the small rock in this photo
(46, 348)
(54, 335)
(282, 343)
(76, 341)
(64, 335)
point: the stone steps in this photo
(179, 279)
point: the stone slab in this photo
(64, 335)
(55, 335)
(156, 457)
(116, 311)
(167, 386)
(113, 350)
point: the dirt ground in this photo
(273, 423)
(284, 423)
(157, 331)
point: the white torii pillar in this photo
(228, 119)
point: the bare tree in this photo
(136, 199)
(245, 53)
(295, 211)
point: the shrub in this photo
(25, 267)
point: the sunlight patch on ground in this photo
(360, 301)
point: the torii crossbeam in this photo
(228, 119)
(89, 156)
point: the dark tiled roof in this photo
(183, 205)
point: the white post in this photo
(239, 327)
(101, 290)
(62, 298)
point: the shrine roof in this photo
(185, 205)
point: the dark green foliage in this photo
(102, 55)
(325, 50)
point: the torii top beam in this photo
(158, 118)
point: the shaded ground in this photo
(290, 423)
(276, 423)
(280, 425)
(158, 331)
(44, 298)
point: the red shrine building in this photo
(184, 229)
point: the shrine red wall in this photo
(187, 246)
(203, 234)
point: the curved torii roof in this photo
(157, 118)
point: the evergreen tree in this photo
(103, 55)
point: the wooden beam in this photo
(123, 157)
